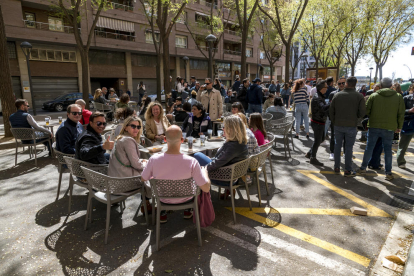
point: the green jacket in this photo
(385, 109)
(346, 107)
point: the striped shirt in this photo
(301, 96)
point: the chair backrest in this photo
(267, 116)
(281, 128)
(75, 165)
(276, 115)
(164, 188)
(60, 155)
(23, 133)
(257, 160)
(98, 106)
(233, 171)
(228, 106)
(148, 142)
(113, 185)
(271, 139)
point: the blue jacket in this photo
(19, 120)
(206, 124)
(236, 86)
(272, 88)
(255, 94)
(66, 136)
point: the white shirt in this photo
(309, 89)
(160, 128)
(313, 92)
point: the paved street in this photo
(303, 228)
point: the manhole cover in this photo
(402, 202)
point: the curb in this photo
(409, 263)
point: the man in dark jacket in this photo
(89, 146)
(255, 97)
(236, 85)
(346, 107)
(320, 110)
(407, 131)
(341, 86)
(69, 130)
(242, 94)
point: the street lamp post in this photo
(370, 74)
(210, 40)
(185, 58)
(26, 48)
(304, 57)
(258, 70)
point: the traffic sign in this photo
(412, 51)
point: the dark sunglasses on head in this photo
(76, 113)
(134, 126)
(341, 83)
(101, 124)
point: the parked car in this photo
(61, 102)
(153, 97)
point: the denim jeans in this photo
(204, 160)
(301, 109)
(405, 140)
(253, 108)
(349, 134)
(327, 125)
(373, 135)
(332, 141)
(319, 136)
(286, 101)
(375, 160)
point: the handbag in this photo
(205, 209)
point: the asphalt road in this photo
(303, 227)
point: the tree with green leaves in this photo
(163, 14)
(285, 16)
(71, 12)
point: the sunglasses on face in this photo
(341, 83)
(101, 124)
(207, 83)
(28, 105)
(76, 113)
(134, 126)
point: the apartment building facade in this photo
(122, 52)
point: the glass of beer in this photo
(190, 143)
(210, 133)
(60, 120)
(47, 121)
(202, 140)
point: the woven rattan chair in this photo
(77, 175)
(256, 167)
(266, 118)
(111, 190)
(271, 139)
(103, 108)
(167, 189)
(284, 130)
(62, 167)
(230, 173)
(29, 134)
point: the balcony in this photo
(115, 35)
(122, 7)
(48, 27)
(206, 48)
(230, 52)
(227, 31)
(205, 3)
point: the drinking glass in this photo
(47, 121)
(60, 120)
(210, 133)
(190, 143)
(202, 140)
(184, 135)
(219, 133)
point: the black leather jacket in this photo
(242, 96)
(320, 108)
(231, 152)
(88, 147)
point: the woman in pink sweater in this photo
(256, 125)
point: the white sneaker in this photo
(402, 166)
(331, 157)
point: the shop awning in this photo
(115, 24)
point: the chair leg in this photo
(271, 168)
(287, 145)
(291, 139)
(144, 199)
(153, 210)
(258, 188)
(232, 203)
(265, 177)
(15, 159)
(196, 214)
(70, 194)
(248, 195)
(88, 211)
(60, 181)
(157, 234)
(35, 152)
(219, 191)
(108, 217)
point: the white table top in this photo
(196, 147)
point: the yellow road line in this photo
(300, 211)
(307, 238)
(372, 210)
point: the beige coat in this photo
(216, 103)
(151, 127)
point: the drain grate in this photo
(402, 202)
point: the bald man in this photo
(85, 113)
(174, 165)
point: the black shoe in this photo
(307, 136)
(350, 173)
(315, 161)
(337, 171)
(308, 155)
(297, 136)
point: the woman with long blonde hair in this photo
(98, 97)
(156, 122)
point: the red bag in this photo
(206, 210)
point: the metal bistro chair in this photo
(256, 167)
(77, 175)
(230, 173)
(167, 189)
(111, 190)
(271, 139)
(29, 134)
(266, 118)
(103, 108)
(282, 129)
(62, 167)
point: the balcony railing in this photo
(249, 54)
(115, 35)
(206, 48)
(122, 7)
(48, 27)
(230, 52)
(227, 31)
(205, 3)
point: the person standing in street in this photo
(211, 99)
(301, 98)
(385, 109)
(242, 94)
(320, 110)
(286, 95)
(255, 97)
(236, 85)
(346, 107)
(407, 131)
(141, 90)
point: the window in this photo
(182, 18)
(55, 24)
(180, 41)
(11, 48)
(143, 60)
(249, 52)
(198, 64)
(148, 37)
(237, 67)
(262, 55)
(223, 66)
(105, 57)
(31, 18)
(52, 55)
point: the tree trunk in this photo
(85, 76)
(376, 73)
(158, 74)
(287, 61)
(353, 69)
(243, 51)
(6, 87)
(166, 64)
(271, 71)
(210, 61)
(317, 68)
(380, 71)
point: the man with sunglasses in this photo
(22, 119)
(211, 99)
(89, 146)
(69, 130)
